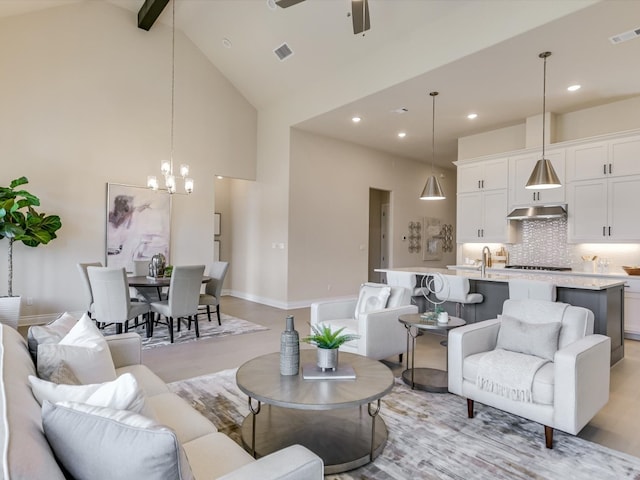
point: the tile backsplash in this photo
(543, 242)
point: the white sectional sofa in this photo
(27, 455)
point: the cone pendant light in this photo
(543, 175)
(432, 189)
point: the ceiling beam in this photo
(149, 13)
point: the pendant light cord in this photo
(173, 74)
(433, 131)
(544, 56)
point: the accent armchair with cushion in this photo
(539, 360)
(373, 316)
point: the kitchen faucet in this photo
(486, 260)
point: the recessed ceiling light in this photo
(471, 116)
(402, 134)
(219, 177)
(356, 119)
(271, 4)
(226, 42)
(573, 88)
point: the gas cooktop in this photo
(539, 267)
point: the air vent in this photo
(283, 52)
(623, 37)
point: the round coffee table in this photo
(326, 416)
(428, 379)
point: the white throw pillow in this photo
(51, 333)
(123, 393)
(84, 350)
(97, 443)
(539, 339)
(372, 297)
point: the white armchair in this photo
(381, 334)
(566, 392)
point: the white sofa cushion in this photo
(372, 297)
(123, 393)
(51, 333)
(150, 383)
(96, 443)
(83, 349)
(543, 381)
(205, 465)
(539, 339)
(174, 412)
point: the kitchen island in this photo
(603, 296)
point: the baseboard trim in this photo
(29, 320)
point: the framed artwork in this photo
(432, 239)
(138, 224)
(216, 224)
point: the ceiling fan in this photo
(359, 13)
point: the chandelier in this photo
(166, 167)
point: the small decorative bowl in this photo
(631, 270)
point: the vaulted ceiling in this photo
(502, 83)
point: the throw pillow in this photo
(64, 375)
(97, 443)
(51, 333)
(539, 339)
(372, 297)
(84, 349)
(123, 393)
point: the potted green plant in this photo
(328, 341)
(19, 221)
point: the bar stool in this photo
(452, 288)
(407, 280)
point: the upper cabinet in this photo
(484, 175)
(520, 168)
(603, 159)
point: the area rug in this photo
(430, 437)
(208, 329)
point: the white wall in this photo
(85, 100)
(609, 118)
(329, 213)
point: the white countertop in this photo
(580, 280)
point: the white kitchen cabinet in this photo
(482, 217)
(483, 175)
(604, 159)
(520, 168)
(632, 308)
(604, 210)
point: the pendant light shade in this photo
(543, 175)
(432, 189)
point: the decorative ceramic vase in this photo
(327, 359)
(443, 317)
(289, 349)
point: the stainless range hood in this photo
(541, 212)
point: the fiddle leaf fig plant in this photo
(19, 221)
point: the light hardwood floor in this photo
(616, 425)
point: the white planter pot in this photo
(443, 317)
(10, 311)
(327, 358)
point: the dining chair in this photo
(86, 285)
(184, 293)
(213, 289)
(111, 298)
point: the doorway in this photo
(379, 232)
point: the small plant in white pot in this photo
(19, 221)
(328, 342)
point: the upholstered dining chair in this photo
(184, 294)
(86, 285)
(146, 294)
(213, 289)
(112, 302)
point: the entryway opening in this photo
(379, 232)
